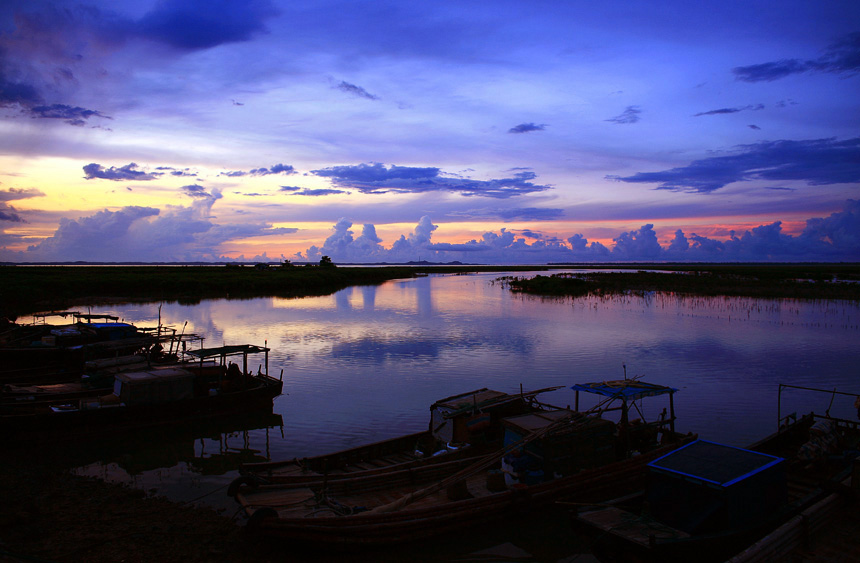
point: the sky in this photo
(503, 132)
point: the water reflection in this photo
(365, 363)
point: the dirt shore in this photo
(51, 515)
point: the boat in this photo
(43, 352)
(461, 426)
(150, 398)
(99, 375)
(547, 455)
(708, 501)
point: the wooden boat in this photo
(547, 455)
(145, 399)
(461, 426)
(708, 501)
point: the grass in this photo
(815, 281)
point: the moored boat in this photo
(144, 399)
(708, 501)
(460, 426)
(547, 456)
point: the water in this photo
(365, 364)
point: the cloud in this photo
(274, 169)
(177, 233)
(12, 92)
(834, 238)
(320, 192)
(295, 190)
(841, 57)
(753, 107)
(629, 115)
(527, 127)
(755, 127)
(817, 162)
(510, 214)
(127, 172)
(377, 179)
(202, 24)
(9, 214)
(71, 115)
(196, 191)
(19, 193)
(356, 90)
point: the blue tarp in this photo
(627, 389)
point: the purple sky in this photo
(489, 132)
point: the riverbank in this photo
(29, 289)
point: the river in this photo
(365, 363)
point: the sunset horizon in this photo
(504, 133)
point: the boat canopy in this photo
(625, 389)
(227, 351)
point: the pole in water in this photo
(625, 370)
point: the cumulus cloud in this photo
(376, 178)
(834, 238)
(127, 172)
(285, 169)
(817, 162)
(751, 107)
(177, 233)
(527, 128)
(356, 91)
(841, 57)
(629, 115)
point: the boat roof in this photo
(227, 350)
(714, 463)
(627, 389)
(532, 422)
(154, 375)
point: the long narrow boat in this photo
(548, 455)
(708, 501)
(146, 399)
(461, 426)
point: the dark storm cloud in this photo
(527, 128)
(841, 57)
(356, 91)
(127, 172)
(377, 179)
(752, 107)
(275, 169)
(203, 24)
(629, 115)
(817, 162)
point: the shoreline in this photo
(30, 289)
